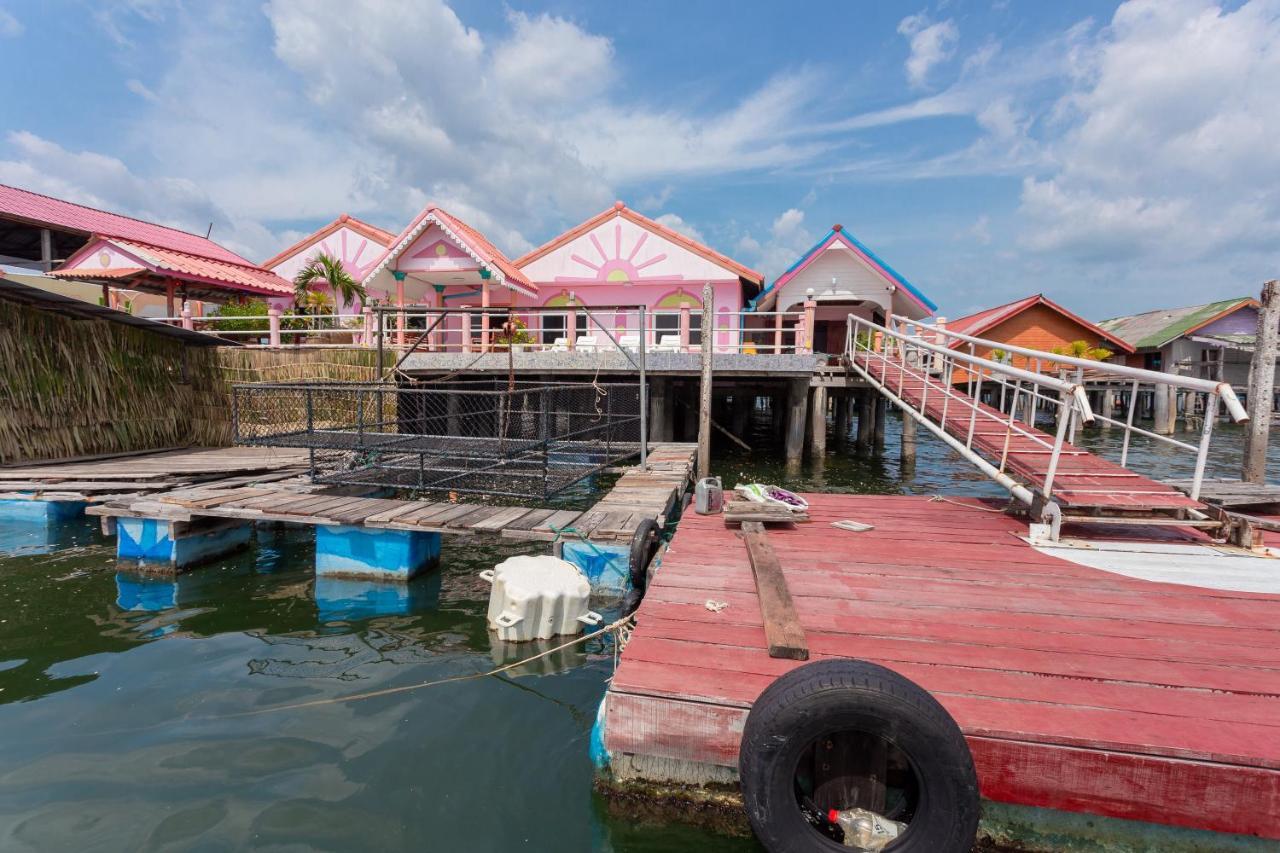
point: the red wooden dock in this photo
(1083, 480)
(1077, 689)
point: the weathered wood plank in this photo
(782, 625)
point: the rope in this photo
(582, 537)
(622, 629)
(941, 499)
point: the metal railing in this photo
(1085, 371)
(955, 416)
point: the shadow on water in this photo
(123, 697)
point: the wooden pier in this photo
(1078, 689)
(636, 496)
(121, 476)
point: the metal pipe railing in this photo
(926, 362)
(1215, 392)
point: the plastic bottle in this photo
(866, 830)
(709, 496)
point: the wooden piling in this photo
(907, 451)
(866, 418)
(1108, 406)
(704, 400)
(881, 412)
(818, 422)
(1262, 375)
(796, 414)
(842, 418)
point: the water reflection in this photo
(42, 536)
(348, 600)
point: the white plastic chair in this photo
(586, 343)
(560, 345)
(631, 342)
(668, 343)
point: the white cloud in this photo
(788, 238)
(1167, 148)
(931, 44)
(10, 27)
(979, 231)
(141, 90)
(107, 183)
(676, 223)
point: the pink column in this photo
(484, 319)
(809, 307)
(777, 332)
(186, 317)
(400, 318)
(273, 326)
(571, 325)
(684, 327)
(368, 326)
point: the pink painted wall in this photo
(356, 252)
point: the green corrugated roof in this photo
(1157, 328)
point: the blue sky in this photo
(1117, 157)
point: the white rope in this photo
(940, 498)
(621, 629)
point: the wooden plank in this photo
(530, 519)
(393, 513)
(557, 521)
(781, 624)
(499, 520)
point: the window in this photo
(669, 324)
(553, 325)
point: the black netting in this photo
(523, 440)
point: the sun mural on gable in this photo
(356, 255)
(615, 268)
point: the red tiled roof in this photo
(241, 276)
(489, 254)
(51, 212)
(620, 209)
(374, 233)
(975, 324)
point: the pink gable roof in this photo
(51, 212)
(158, 259)
(489, 254)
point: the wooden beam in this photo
(704, 398)
(782, 627)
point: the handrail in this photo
(1191, 383)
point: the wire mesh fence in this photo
(513, 439)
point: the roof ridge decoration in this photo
(431, 215)
(618, 208)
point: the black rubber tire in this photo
(830, 696)
(644, 544)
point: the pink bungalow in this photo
(839, 276)
(620, 257)
(356, 245)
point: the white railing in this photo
(1216, 394)
(467, 330)
(932, 370)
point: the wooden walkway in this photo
(637, 495)
(1077, 688)
(117, 477)
(1083, 480)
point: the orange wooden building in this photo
(1035, 322)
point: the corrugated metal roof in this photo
(52, 212)
(1157, 328)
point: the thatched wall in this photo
(73, 387)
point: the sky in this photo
(1115, 157)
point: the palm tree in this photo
(325, 271)
(1082, 349)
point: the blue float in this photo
(12, 510)
(347, 551)
(159, 543)
(607, 567)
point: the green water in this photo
(125, 704)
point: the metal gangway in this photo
(943, 380)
